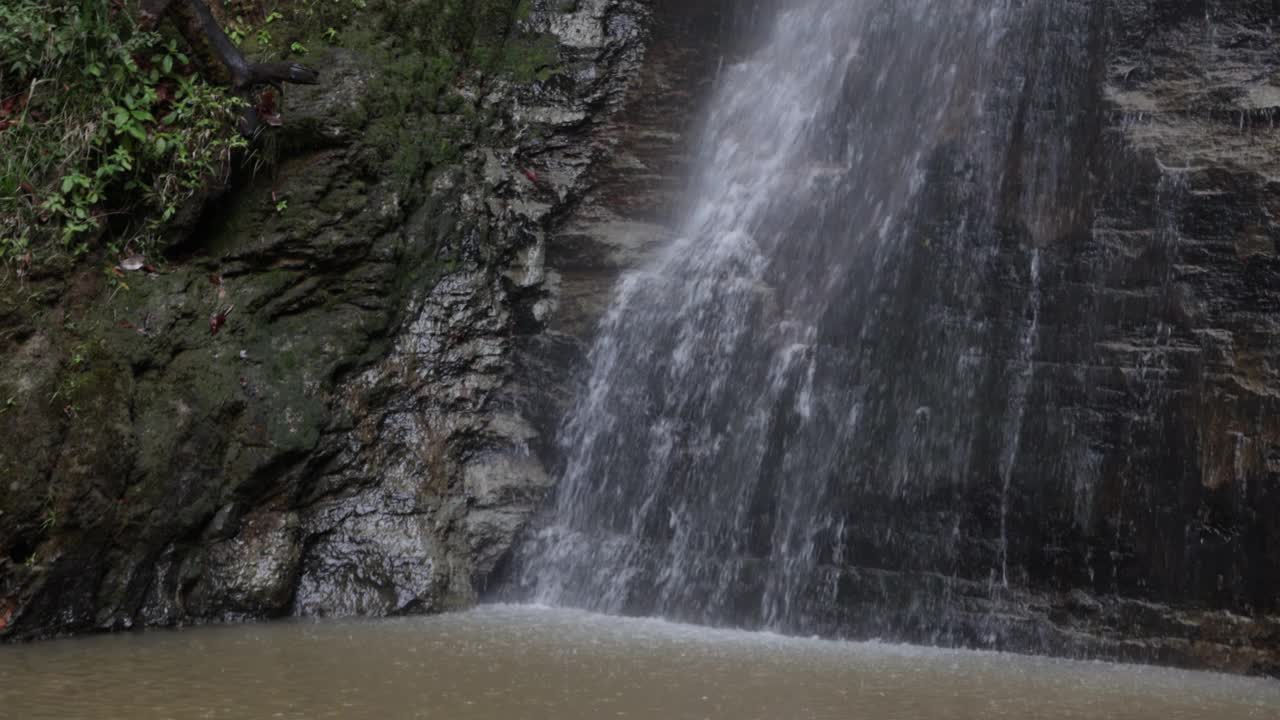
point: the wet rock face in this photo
(1108, 485)
(1066, 439)
(372, 427)
(633, 195)
(1193, 101)
(1157, 336)
(302, 411)
(1114, 489)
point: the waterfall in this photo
(786, 410)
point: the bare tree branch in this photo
(246, 75)
(200, 27)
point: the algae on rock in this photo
(283, 417)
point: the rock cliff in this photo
(1108, 486)
(300, 411)
(371, 429)
(1061, 380)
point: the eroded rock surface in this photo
(298, 414)
(372, 427)
(1062, 381)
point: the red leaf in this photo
(267, 103)
(218, 319)
(6, 612)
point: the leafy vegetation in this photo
(107, 129)
(102, 126)
(417, 119)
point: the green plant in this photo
(49, 520)
(106, 130)
(74, 377)
(235, 31)
(109, 132)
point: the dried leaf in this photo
(133, 262)
(218, 319)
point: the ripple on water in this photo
(527, 663)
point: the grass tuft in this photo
(105, 129)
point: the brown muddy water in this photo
(525, 663)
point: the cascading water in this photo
(787, 412)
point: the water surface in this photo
(525, 663)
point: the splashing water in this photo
(763, 391)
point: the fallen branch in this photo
(199, 25)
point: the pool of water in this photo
(525, 663)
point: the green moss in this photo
(417, 120)
(528, 59)
(523, 10)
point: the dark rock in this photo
(1129, 515)
(338, 446)
(372, 428)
